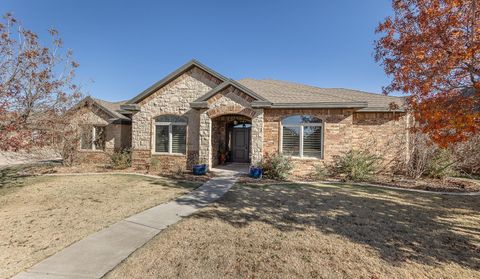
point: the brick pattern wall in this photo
(174, 98)
(344, 130)
(168, 163)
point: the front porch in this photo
(231, 139)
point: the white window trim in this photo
(170, 137)
(94, 134)
(301, 156)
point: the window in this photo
(170, 134)
(302, 136)
(92, 137)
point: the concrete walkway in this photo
(97, 254)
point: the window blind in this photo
(179, 136)
(161, 138)
(291, 141)
(312, 141)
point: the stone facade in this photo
(117, 136)
(229, 101)
(344, 129)
(172, 99)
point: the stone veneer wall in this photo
(174, 98)
(117, 136)
(344, 130)
(230, 101)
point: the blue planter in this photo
(200, 169)
(256, 172)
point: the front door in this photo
(241, 145)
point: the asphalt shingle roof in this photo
(112, 107)
(284, 92)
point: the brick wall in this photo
(344, 130)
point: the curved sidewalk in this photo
(97, 254)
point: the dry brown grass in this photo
(41, 215)
(301, 231)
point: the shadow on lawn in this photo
(400, 226)
(14, 176)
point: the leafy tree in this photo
(431, 49)
(36, 86)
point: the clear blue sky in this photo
(125, 46)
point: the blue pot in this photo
(200, 169)
(256, 172)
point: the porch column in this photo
(257, 137)
(205, 140)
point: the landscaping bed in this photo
(317, 231)
(40, 215)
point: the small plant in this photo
(120, 159)
(356, 165)
(222, 154)
(441, 165)
(276, 166)
(320, 172)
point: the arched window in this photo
(302, 136)
(170, 134)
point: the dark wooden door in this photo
(241, 145)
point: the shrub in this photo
(320, 172)
(467, 156)
(276, 166)
(120, 159)
(356, 165)
(441, 164)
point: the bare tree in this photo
(36, 86)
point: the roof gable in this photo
(173, 75)
(103, 105)
(257, 98)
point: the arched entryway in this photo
(231, 139)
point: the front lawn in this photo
(303, 231)
(41, 215)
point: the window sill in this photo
(168, 154)
(306, 158)
(91, 151)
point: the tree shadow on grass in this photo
(400, 226)
(14, 176)
(174, 183)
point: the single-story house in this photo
(194, 113)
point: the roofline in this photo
(225, 84)
(321, 105)
(113, 114)
(173, 75)
(380, 109)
